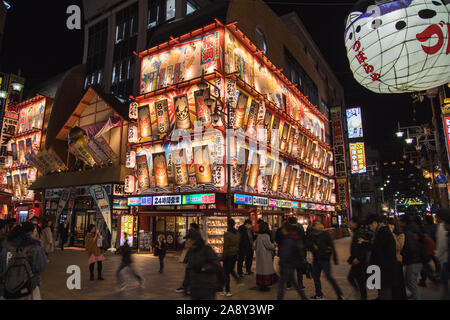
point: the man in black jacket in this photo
(321, 245)
(413, 253)
(382, 254)
(63, 231)
(358, 259)
(203, 268)
(245, 248)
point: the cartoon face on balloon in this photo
(399, 46)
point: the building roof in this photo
(115, 174)
(68, 96)
(94, 91)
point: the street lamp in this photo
(409, 140)
(3, 94)
(399, 134)
(16, 86)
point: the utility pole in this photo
(442, 192)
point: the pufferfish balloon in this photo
(399, 46)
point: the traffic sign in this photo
(441, 179)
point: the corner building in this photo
(209, 80)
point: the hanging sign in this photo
(243, 199)
(199, 199)
(133, 111)
(130, 162)
(129, 184)
(260, 201)
(98, 193)
(132, 133)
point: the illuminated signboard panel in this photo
(32, 117)
(167, 200)
(139, 201)
(354, 123)
(182, 62)
(260, 201)
(447, 134)
(358, 157)
(199, 199)
(243, 199)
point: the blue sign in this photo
(139, 201)
(441, 179)
(243, 199)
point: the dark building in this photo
(2, 21)
(367, 197)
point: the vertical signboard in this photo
(339, 158)
(447, 134)
(358, 157)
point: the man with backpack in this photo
(292, 253)
(230, 254)
(322, 247)
(21, 261)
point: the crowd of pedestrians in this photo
(410, 252)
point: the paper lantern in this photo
(130, 162)
(129, 184)
(399, 46)
(132, 133)
(133, 111)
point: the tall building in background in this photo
(115, 30)
(2, 21)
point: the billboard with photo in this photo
(354, 123)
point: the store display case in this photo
(216, 228)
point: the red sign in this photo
(447, 134)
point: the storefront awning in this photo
(114, 174)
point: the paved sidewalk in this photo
(162, 286)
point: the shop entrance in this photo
(174, 229)
(82, 220)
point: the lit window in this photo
(261, 40)
(170, 9)
(190, 8)
(153, 15)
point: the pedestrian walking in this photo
(47, 237)
(322, 247)
(358, 258)
(127, 262)
(63, 231)
(93, 244)
(442, 251)
(37, 230)
(265, 251)
(246, 248)
(430, 229)
(230, 255)
(160, 251)
(203, 269)
(21, 262)
(292, 255)
(382, 254)
(398, 285)
(413, 255)
(194, 229)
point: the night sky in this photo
(37, 41)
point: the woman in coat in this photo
(47, 237)
(265, 251)
(398, 286)
(94, 252)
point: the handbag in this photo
(99, 241)
(276, 265)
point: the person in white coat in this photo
(47, 238)
(265, 251)
(442, 250)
